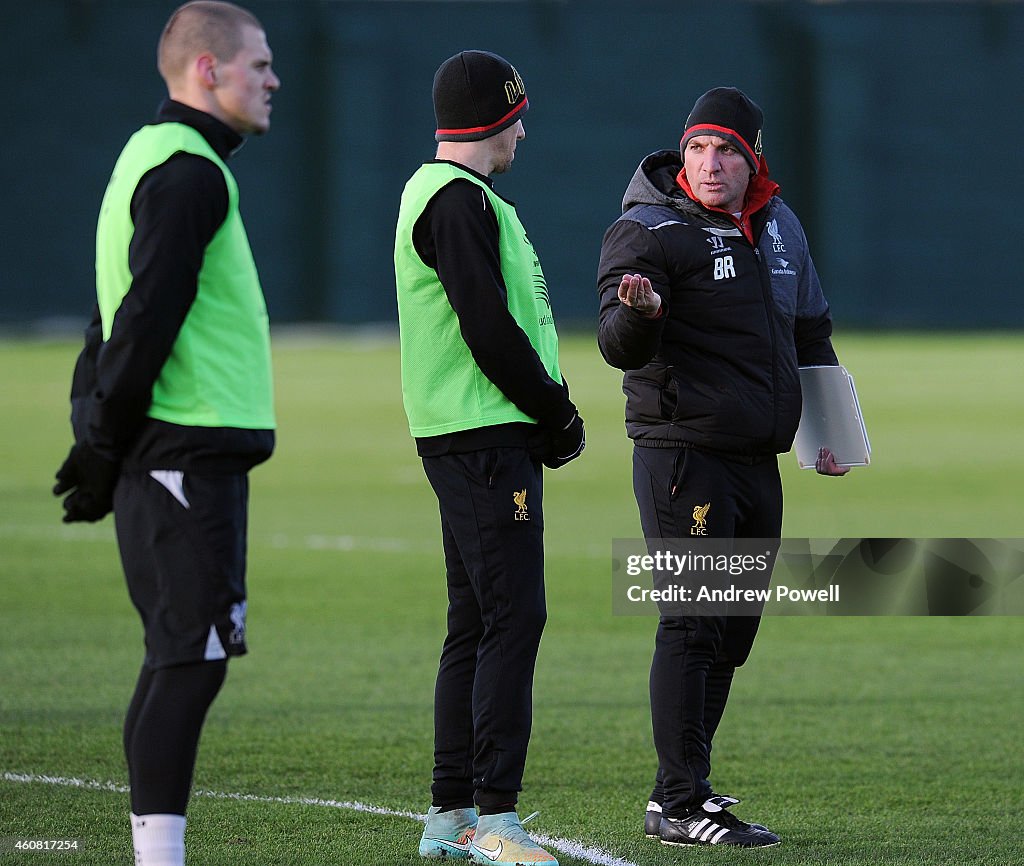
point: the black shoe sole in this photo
(687, 844)
(718, 845)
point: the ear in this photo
(206, 69)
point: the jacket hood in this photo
(654, 181)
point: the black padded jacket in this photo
(718, 368)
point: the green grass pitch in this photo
(860, 740)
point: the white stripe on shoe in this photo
(695, 832)
(709, 832)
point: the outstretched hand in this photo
(636, 291)
(826, 464)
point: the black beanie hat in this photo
(476, 95)
(729, 114)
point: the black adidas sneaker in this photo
(713, 824)
(652, 818)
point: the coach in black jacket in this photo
(710, 302)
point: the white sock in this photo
(159, 840)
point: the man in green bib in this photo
(488, 407)
(172, 399)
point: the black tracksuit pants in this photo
(695, 657)
(492, 525)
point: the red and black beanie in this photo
(476, 95)
(730, 114)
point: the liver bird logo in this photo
(519, 497)
(699, 513)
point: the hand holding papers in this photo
(826, 463)
(831, 419)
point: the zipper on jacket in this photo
(766, 296)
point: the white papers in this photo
(831, 418)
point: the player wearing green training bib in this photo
(172, 400)
(488, 406)
(433, 352)
(206, 380)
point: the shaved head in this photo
(199, 27)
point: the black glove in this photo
(92, 479)
(566, 444)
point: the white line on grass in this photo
(283, 541)
(580, 851)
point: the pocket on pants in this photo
(682, 458)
